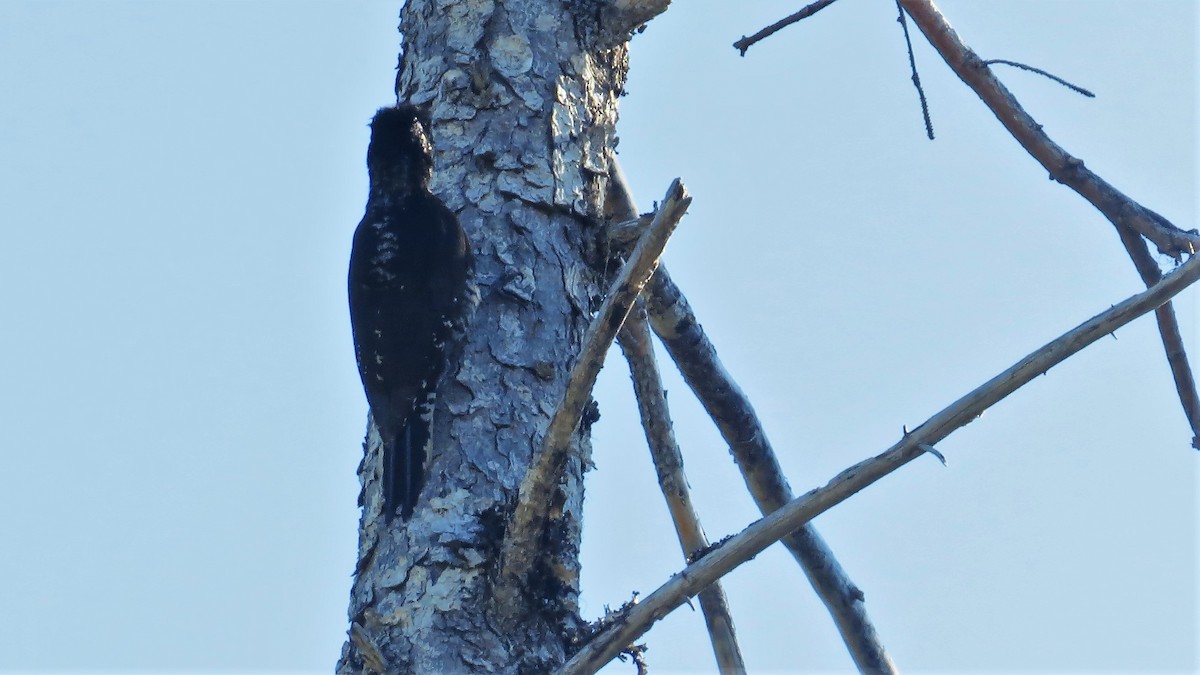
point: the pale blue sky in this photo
(181, 416)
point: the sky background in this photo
(180, 415)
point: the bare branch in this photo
(668, 462)
(676, 325)
(1168, 329)
(1125, 214)
(746, 42)
(764, 532)
(527, 523)
(1063, 167)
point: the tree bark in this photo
(523, 102)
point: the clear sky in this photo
(181, 417)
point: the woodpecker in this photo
(407, 286)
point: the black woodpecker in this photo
(408, 277)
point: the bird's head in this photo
(398, 157)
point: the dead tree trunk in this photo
(523, 99)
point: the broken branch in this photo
(745, 43)
(680, 332)
(527, 523)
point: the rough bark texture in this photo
(523, 99)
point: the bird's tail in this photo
(405, 462)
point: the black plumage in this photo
(407, 285)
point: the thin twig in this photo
(916, 78)
(636, 343)
(745, 43)
(1124, 213)
(1063, 167)
(676, 325)
(766, 531)
(520, 549)
(1024, 66)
